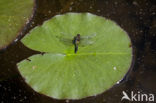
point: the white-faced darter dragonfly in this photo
(77, 40)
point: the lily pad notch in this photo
(102, 59)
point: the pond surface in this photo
(136, 17)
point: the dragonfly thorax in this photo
(76, 39)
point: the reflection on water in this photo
(136, 17)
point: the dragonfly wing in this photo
(65, 40)
(88, 36)
(87, 40)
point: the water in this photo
(137, 17)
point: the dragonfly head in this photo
(78, 35)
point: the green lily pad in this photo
(13, 15)
(102, 59)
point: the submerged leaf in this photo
(13, 15)
(60, 73)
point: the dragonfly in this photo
(77, 40)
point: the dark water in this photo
(136, 17)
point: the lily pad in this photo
(13, 16)
(102, 59)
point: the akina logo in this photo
(137, 96)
